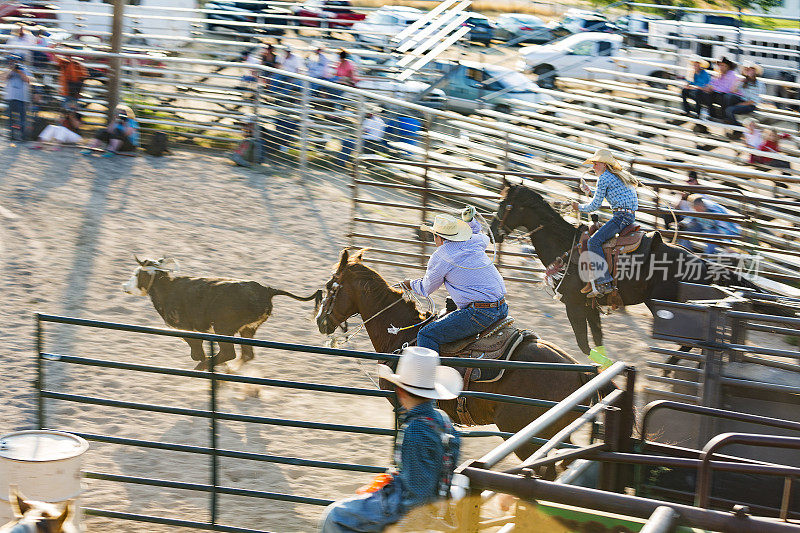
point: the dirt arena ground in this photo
(68, 228)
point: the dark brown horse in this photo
(661, 266)
(355, 288)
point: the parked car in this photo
(333, 13)
(481, 28)
(380, 26)
(579, 20)
(572, 55)
(522, 28)
(473, 86)
(245, 12)
(21, 10)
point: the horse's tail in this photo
(607, 389)
(317, 297)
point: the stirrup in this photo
(587, 288)
(601, 290)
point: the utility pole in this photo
(115, 63)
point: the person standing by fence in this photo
(427, 449)
(18, 97)
(72, 75)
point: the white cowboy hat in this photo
(449, 227)
(754, 66)
(419, 373)
(698, 59)
(604, 156)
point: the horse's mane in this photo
(374, 285)
(549, 217)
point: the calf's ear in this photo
(141, 263)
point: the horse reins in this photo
(393, 330)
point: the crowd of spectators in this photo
(724, 94)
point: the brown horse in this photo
(357, 289)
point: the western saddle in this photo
(498, 342)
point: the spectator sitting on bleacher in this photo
(753, 138)
(748, 96)
(770, 144)
(701, 204)
(697, 78)
(723, 83)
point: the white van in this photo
(382, 25)
(148, 17)
(776, 51)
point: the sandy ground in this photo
(68, 228)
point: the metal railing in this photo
(215, 415)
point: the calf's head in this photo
(145, 274)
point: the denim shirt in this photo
(16, 88)
(419, 455)
(618, 194)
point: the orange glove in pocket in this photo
(378, 482)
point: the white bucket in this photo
(44, 465)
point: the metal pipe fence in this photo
(214, 415)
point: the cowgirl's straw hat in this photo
(449, 227)
(419, 373)
(604, 156)
(697, 59)
(750, 64)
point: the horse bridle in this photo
(331, 296)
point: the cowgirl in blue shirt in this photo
(619, 188)
(700, 78)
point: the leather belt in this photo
(624, 210)
(488, 305)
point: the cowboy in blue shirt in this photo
(619, 188)
(460, 264)
(700, 78)
(426, 448)
(701, 204)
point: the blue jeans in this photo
(459, 324)
(364, 514)
(620, 220)
(16, 119)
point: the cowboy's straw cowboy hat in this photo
(697, 59)
(604, 156)
(750, 64)
(419, 373)
(449, 227)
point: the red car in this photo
(22, 10)
(335, 13)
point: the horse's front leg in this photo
(576, 313)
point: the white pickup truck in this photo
(571, 56)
